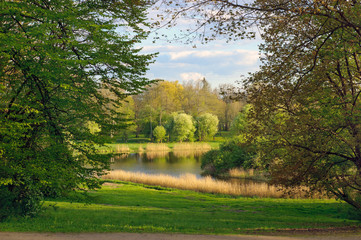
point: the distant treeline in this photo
(162, 101)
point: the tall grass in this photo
(191, 146)
(121, 148)
(246, 174)
(157, 147)
(190, 149)
(206, 184)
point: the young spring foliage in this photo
(207, 126)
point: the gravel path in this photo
(149, 236)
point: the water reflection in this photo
(170, 163)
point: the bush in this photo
(231, 154)
(22, 201)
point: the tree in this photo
(306, 96)
(232, 104)
(200, 98)
(55, 57)
(164, 97)
(159, 133)
(207, 126)
(240, 122)
(306, 99)
(128, 117)
(181, 127)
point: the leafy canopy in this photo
(56, 59)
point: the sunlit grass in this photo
(130, 207)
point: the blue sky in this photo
(218, 61)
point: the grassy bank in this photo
(128, 207)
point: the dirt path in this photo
(150, 236)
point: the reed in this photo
(192, 147)
(241, 173)
(191, 182)
(157, 147)
(188, 153)
(140, 149)
(121, 148)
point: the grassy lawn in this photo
(128, 207)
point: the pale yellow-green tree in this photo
(207, 126)
(199, 98)
(164, 97)
(159, 133)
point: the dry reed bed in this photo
(206, 184)
(122, 149)
(192, 147)
(157, 147)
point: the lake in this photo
(170, 163)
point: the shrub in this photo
(231, 154)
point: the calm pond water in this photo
(170, 163)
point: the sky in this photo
(218, 61)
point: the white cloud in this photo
(218, 62)
(247, 57)
(191, 76)
(179, 55)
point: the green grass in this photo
(132, 207)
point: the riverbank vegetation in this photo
(210, 185)
(159, 147)
(128, 207)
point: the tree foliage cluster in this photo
(56, 58)
(237, 152)
(232, 154)
(183, 127)
(306, 95)
(158, 105)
